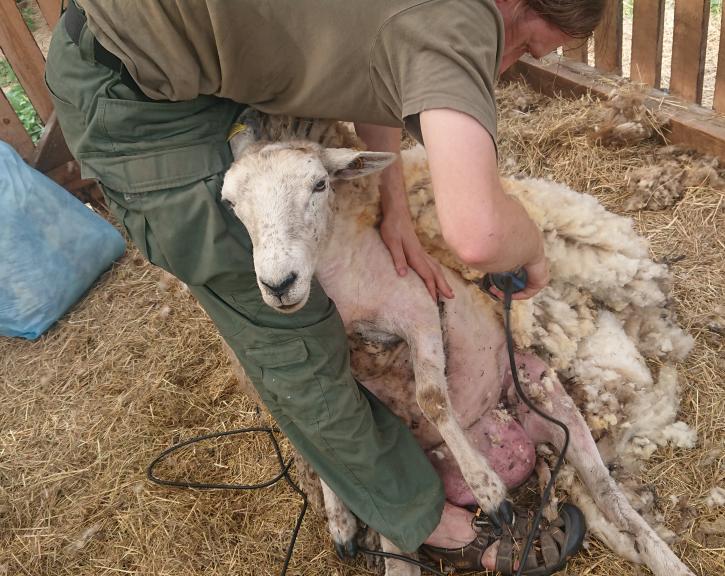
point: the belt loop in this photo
(85, 43)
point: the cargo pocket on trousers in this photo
(290, 381)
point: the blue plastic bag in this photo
(52, 248)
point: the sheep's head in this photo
(283, 194)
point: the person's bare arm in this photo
(397, 228)
(486, 228)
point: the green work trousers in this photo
(161, 166)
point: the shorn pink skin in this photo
(476, 366)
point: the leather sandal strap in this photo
(558, 535)
(466, 558)
(522, 525)
(549, 550)
(531, 560)
(505, 556)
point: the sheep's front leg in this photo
(342, 523)
(582, 453)
(427, 354)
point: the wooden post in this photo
(12, 130)
(608, 39)
(51, 11)
(689, 43)
(25, 57)
(647, 33)
(51, 150)
(578, 50)
(719, 101)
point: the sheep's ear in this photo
(245, 131)
(240, 138)
(345, 164)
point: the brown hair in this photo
(577, 18)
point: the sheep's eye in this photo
(320, 186)
(228, 203)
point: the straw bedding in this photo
(136, 366)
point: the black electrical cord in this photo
(508, 292)
(421, 565)
(284, 473)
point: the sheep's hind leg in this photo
(584, 456)
(342, 523)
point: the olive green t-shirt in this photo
(375, 61)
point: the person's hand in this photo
(399, 236)
(396, 229)
(537, 278)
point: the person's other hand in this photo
(399, 236)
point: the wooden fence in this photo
(50, 154)
(690, 124)
(692, 19)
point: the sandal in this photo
(556, 542)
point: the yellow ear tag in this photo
(237, 128)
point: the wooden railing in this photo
(28, 63)
(49, 154)
(691, 124)
(692, 19)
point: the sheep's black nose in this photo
(281, 288)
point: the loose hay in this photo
(672, 173)
(137, 366)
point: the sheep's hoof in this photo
(346, 550)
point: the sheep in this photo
(602, 277)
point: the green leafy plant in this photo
(7, 76)
(715, 7)
(26, 113)
(20, 102)
(29, 17)
(28, 14)
(628, 8)
(15, 94)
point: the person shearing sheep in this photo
(146, 93)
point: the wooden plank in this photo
(12, 130)
(24, 56)
(578, 50)
(690, 125)
(569, 79)
(608, 38)
(68, 175)
(689, 43)
(647, 33)
(719, 100)
(51, 150)
(50, 10)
